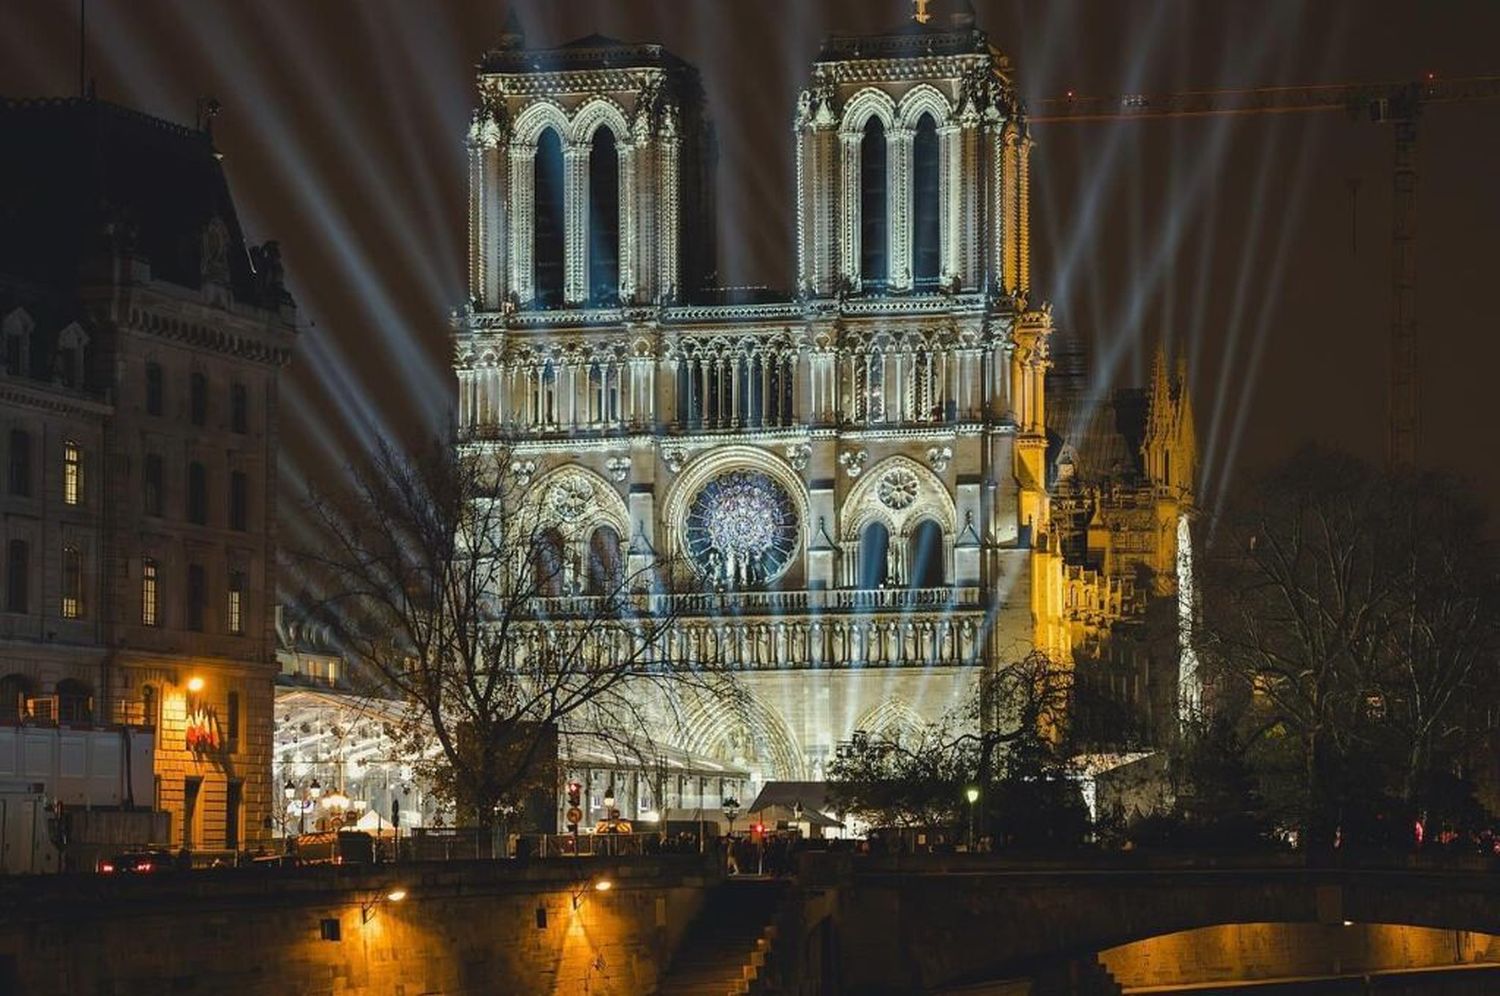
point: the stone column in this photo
(576, 224)
(898, 146)
(522, 220)
(848, 253)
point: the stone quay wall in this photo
(462, 927)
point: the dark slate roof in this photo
(1105, 429)
(594, 51)
(78, 173)
(949, 31)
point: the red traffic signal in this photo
(575, 794)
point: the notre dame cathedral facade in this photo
(861, 473)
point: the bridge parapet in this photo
(928, 922)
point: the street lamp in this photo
(972, 794)
(314, 790)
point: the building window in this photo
(239, 409)
(874, 268)
(236, 603)
(239, 491)
(926, 230)
(69, 369)
(197, 497)
(197, 597)
(72, 474)
(17, 576)
(604, 218)
(151, 484)
(15, 354)
(149, 594)
(547, 245)
(926, 556)
(198, 398)
(72, 583)
(20, 462)
(153, 389)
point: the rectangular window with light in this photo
(237, 602)
(72, 474)
(149, 595)
(72, 583)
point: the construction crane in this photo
(1396, 104)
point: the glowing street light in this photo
(972, 794)
(195, 684)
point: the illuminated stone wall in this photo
(892, 426)
(464, 927)
(1248, 951)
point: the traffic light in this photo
(575, 799)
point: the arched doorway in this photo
(75, 702)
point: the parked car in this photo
(138, 863)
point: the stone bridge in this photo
(933, 923)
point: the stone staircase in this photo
(727, 946)
(1083, 977)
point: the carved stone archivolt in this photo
(898, 492)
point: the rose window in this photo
(570, 498)
(741, 529)
(898, 489)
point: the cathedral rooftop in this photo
(593, 51)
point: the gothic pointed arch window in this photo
(604, 218)
(926, 230)
(874, 555)
(605, 566)
(547, 245)
(547, 564)
(925, 555)
(874, 264)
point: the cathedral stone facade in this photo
(857, 473)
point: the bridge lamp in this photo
(369, 907)
(599, 885)
(972, 794)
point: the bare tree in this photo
(450, 588)
(1351, 615)
(1012, 730)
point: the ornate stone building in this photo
(138, 410)
(857, 473)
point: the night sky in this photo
(1235, 239)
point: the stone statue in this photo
(213, 256)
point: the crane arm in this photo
(1381, 101)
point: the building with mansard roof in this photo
(143, 339)
(857, 472)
